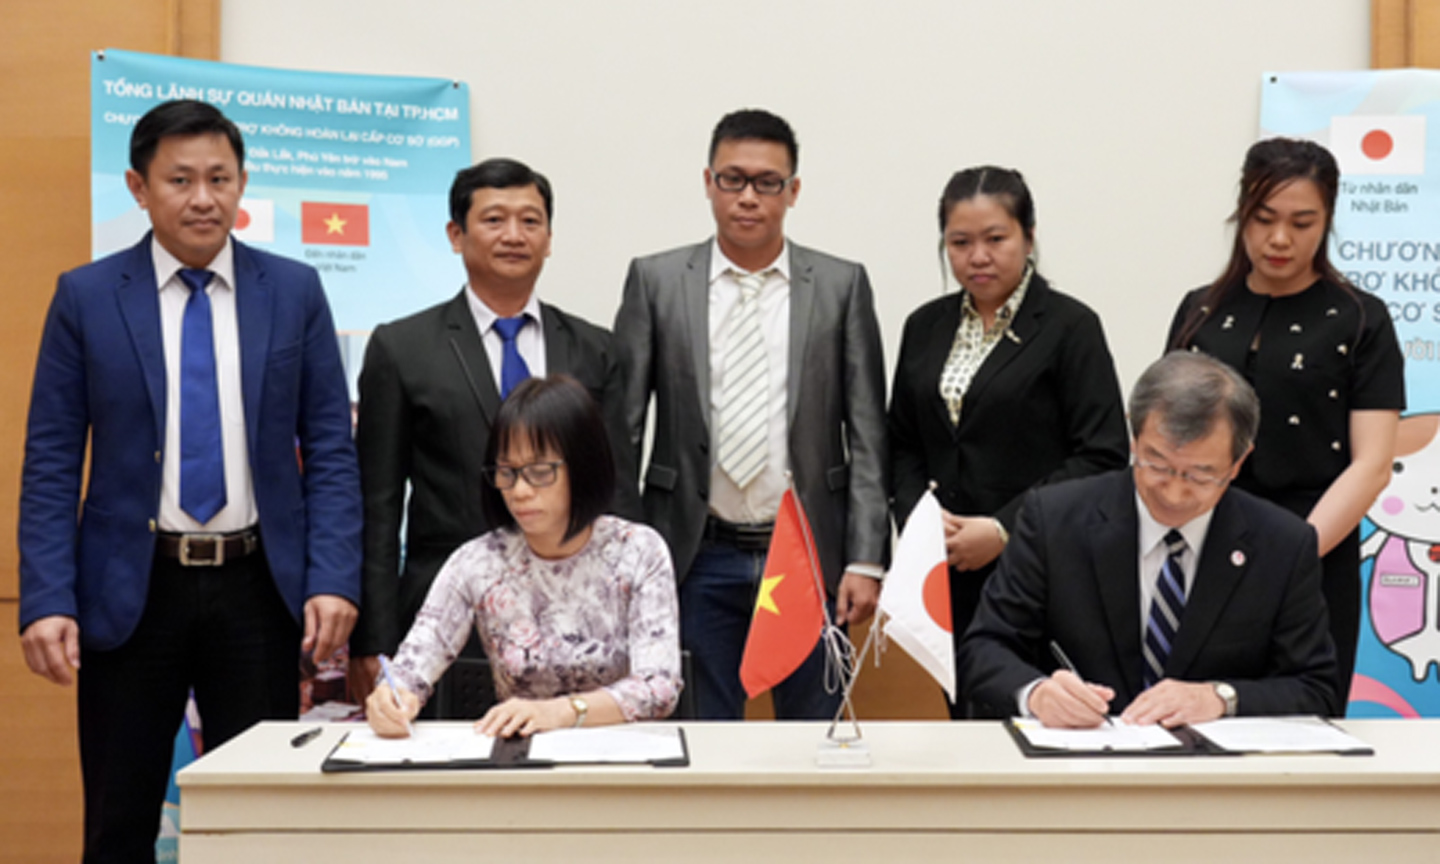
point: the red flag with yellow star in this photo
(789, 614)
(334, 224)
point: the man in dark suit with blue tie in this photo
(432, 384)
(1176, 598)
(218, 535)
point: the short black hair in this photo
(756, 124)
(180, 118)
(557, 413)
(499, 173)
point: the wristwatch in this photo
(582, 709)
(1227, 695)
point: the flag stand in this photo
(846, 750)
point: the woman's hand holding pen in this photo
(390, 711)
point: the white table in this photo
(752, 793)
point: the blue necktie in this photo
(512, 366)
(202, 454)
(1166, 608)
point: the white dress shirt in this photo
(759, 501)
(530, 341)
(239, 510)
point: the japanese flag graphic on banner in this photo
(334, 224)
(255, 220)
(916, 595)
(1378, 143)
(789, 615)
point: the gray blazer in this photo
(836, 401)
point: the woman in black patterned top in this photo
(1321, 354)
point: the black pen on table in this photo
(306, 737)
(1064, 659)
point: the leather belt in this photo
(747, 537)
(207, 550)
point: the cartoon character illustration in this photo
(1405, 581)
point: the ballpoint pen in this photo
(1064, 659)
(306, 737)
(394, 690)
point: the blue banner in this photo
(349, 173)
(1387, 242)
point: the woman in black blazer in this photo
(1003, 386)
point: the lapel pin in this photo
(1237, 558)
(1010, 334)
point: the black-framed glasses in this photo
(1169, 473)
(765, 184)
(537, 474)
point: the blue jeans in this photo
(717, 600)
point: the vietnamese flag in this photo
(335, 224)
(789, 614)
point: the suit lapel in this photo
(802, 305)
(558, 341)
(254, 315)
(1115, 566)
(695, 290)
(1018, 336)
(937, 352)
(470, 356)
(139, 300)
(1221, 567)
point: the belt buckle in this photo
(215, 560)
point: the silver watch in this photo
(1227, 695)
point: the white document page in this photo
(444, 743)
(1278, 735)
(637, 743)
(1115, 736)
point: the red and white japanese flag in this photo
(255, 222)
(1378, 143)
(916, 594)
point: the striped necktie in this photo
(744, 395)
(1166, 608)
(202, 452)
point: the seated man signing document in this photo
(1177, 598)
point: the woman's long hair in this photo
(1269, 165)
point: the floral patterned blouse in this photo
(606, 616)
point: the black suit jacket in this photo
(1045, 406)
(1254, 616)
(427, 402)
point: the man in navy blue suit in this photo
(206, 552)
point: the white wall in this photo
(1129, 118)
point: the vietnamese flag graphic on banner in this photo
(789, 614)
(335, 224)
(1378, 143)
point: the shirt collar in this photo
(1007, 310)
(1152, 533)
(485, 317)
(719, 263)
(167, 265)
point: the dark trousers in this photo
(223, 631)
(717, 600)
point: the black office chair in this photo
(467, 690)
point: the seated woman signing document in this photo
(576, 610)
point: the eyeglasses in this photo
(765, 184)
(537, 474)
(1205, 479)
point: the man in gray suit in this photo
(432, 384)
(764, 360)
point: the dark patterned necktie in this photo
(1166, 607)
